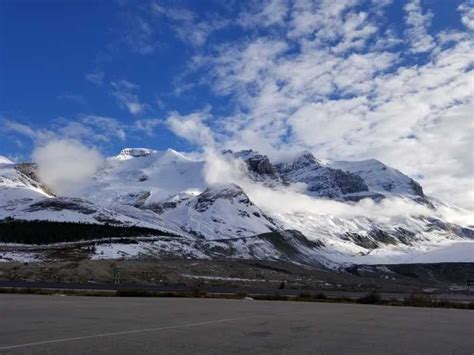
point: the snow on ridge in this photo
(379, 177)
(129, 153)
(167, 189)
(5, 160)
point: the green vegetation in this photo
(371, 298)
(46, 232)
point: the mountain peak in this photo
(307, 158)
(241, 154)
(129, 153)
(167, 191)
(302, 161)
(226, 191)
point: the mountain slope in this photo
(141, 175)
(314, 211)
(220, 212)
(380, 178)
(342, 180)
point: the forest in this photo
(47, 232)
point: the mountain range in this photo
(244, 205)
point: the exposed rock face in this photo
(350, 181)
(260, 164)
(169, 191)
(259, 167)
(228, 192)
(380, 178)
(347, 182)
(417, 189)
(321, 180)
(134, 153)
(378, 238)
(333, 183)
(61, 204)
(306, 160)
(28, 173)
(219, 212)
(304, 163)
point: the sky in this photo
(347, 80)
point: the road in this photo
(108, 325)
(454, 297)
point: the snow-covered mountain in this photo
(341, 180)
(304, 209)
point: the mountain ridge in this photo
(166, 190)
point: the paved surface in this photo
(31, 324)
(455, 297)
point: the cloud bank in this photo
(338, 79)
(65, 164)
(345, 79)
(291, 201)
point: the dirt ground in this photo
(244, 273)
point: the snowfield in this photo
(242, 205)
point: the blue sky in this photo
(346, 79)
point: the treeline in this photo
(46, 232)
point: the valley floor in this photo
(244, 275)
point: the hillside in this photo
(244, 205)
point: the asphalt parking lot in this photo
(119, 325)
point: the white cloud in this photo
(467, 14)
(125, 93)
(331, 82)
(418, 23)
(176, 14)
(148, 125)
(20, 128)
(89, 128)
(66, 164)
(290, 201)
(186, 24)
(107, 128)
(330, 76)
(268, 13)
(191, 127)
(96, 78)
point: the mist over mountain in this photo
(245, 205)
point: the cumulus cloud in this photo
(334, 77)
(191, 127)
(330, 80)
(467, 14)
(291, 200)
(65, 164)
